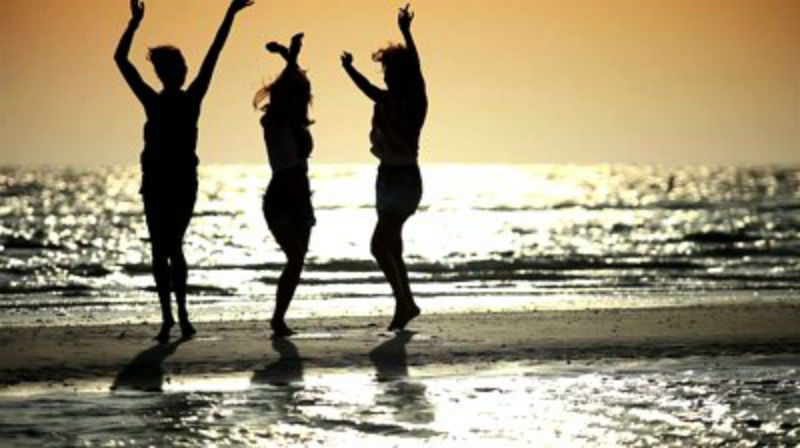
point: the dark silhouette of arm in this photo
(140, 88)
(404, 18)
(374, 93)
(289, 54)
(200, 85)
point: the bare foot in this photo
(163, 335)
(187, 329)
(280, 329)
(402, 317)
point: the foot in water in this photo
(187, 329)
(402, 316)
(280, 329)
(163, 335)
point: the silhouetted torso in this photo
(170, 140)
(396, 127)
(287, 145)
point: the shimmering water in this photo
(73, 240)
(739, 401)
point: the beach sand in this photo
(722, 375)
(59, 355)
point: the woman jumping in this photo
(397, 120)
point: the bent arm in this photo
(140, 88)
(374, 93)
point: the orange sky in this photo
(675, 81)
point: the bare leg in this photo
(294, 243)
(387, 250)
(161, 274)
(179, 272)
(407, 309)
(380, 251)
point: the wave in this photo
(64, 290)
(88, 270)
(720, 237)
(200, 290)
(29, 244)
(669, 205)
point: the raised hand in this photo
(274, 47)
(238, 5)
(404, 17)
(137, 10)
(295, 46)
(347, 59)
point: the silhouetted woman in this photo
(397, 120)
(287, 202)
(169, 162)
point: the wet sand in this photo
(58, 356)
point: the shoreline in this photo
(59, 356)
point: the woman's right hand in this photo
(238, 5)
(137, 10)
(347, 60)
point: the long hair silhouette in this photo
(398, 116)
(287, 201)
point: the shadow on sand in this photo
(145, 372)
(286, 370)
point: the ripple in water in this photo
(496, 229)
(747, 401)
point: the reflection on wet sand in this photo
(145, 371)
(286, 370)
(285, 375)
(407, 399)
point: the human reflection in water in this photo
(286, 370)
(145, 372)
(169, 160)
(406, 398)
(286, 375)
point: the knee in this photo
(378, 248)
(295, 259)
(175, 255)
(178, 262)
(159, 255)
(397, 246)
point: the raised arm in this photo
(404, 18)
(291, 53)
(199, 86)
(140, 88)
(374, 93)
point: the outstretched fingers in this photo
(404, 17)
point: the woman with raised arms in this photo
(398, 115)
(287, 201)
(169, 160)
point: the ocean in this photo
(73, 244)
(74, 252)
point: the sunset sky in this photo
(534, 81)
